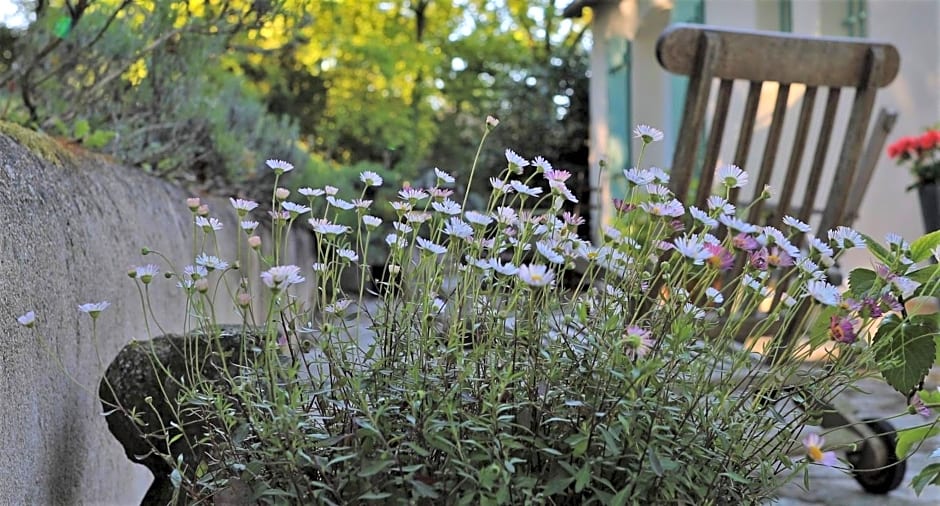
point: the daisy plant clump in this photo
(503, 359)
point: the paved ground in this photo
(835, 488)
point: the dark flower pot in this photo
(930, 205)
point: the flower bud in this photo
(254, 241)
(491, 123)
(244, 299)
(202, 210)
(281, 193)
(201, 285)
(193, 203)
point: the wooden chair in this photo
(824, 66)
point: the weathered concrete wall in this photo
(71, 224)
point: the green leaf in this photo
(654, 462)
(374, 496)
(374, 468)
(99, 139)
(583, 477)
(861, 281)
(557, 485)
(926, 274)
(878, 250)
(818, 332)
(922, 247)
(906, 438)
(81, 129)
(620, 499)
(905, 350)
(929, 475)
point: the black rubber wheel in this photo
(883, 476)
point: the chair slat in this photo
(852, 146)
(796, 154)
(713, 145)
(747, 129)
(693, 116)
(770, 152)
(819, 156)
(875, 146)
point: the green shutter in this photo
(620, 108)
(856, 18)
(786, 15)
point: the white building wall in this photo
(911, 25)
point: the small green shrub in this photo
(490, 370)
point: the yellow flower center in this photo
(815, 453)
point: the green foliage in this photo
(480, 375)
(202, 90)
(905, 350)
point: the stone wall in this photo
(71, 223)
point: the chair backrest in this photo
(824, 66)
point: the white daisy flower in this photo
(330, 190)
(714, 295)
(639, 177)
(403, 228)
(279, 166)
(477, 218)
(693, 249)
(295, 209)
(249, 225)
(310, 192)
(326, 227)
(647, 134)
(281, 276)
(796, 224)
(659, 175)
(348, 254)
(542, 165)
(525, 189)
(447, 206)
(146, 273)
(443, 176)
(339, 307)
(819, 246)
(243, 206)
(371, 221)
(207, 224)
(846, 238)
(401, 207)
(429, 246)
(412, 194)
(516, 162)
(547, 250)
(370, 178)
(455, 227)
(703, 217)
(395, 240)
(93, 308)
(339, 203)
(717, 203)
(211, 262)
(499, 186)
(507, 269)
(731, 176)
(536, 275)
(506, 215)
(824, 292)
(417, 217)
(27, 320)
(736, 223)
